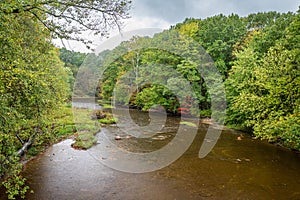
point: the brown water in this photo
(234, 169)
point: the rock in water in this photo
(117, 137)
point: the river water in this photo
(238, 167)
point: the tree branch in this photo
(66, 17)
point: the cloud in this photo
(145, 22)
(168, 10)
(174, 11)
(245, 7)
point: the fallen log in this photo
(24, 148)
(27, 144)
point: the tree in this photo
(33, 79)
(217, 35)
(263, 91)
(161, 61)
(69, 19)
(32, 85)
(72, 60)
(261, 19)
(271, 33)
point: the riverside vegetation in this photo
(34, 84)
(257, 56)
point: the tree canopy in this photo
(33, 80)
(263, 85)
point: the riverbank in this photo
(88, 125)
(63, 127)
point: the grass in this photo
(108, 120)
(86, 128)
(102, 101)
(59, 126)
(64, 126)
(84, 140)
(188, 123)
(65, 131)
(205, 113)
(63, 123)
(107, 106)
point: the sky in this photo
(164, 13)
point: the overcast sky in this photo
(164, 13)
(169, 12)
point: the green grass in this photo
(65, 131)
(86, 128)
(59, 126)
(188, 123)
(108, 121)
(101, 101)
(63, 123)
(107, 106)
(84, 140)
(205, 113)
(83, 132)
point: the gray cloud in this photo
(174, 11)
(169, 10)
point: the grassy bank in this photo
(86, 128)
(62, 125)
(83, 131)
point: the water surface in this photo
(234, 169)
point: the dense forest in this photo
(257, 57)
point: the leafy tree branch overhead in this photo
(68, 19)
(34, 82)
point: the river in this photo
(238, 167)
